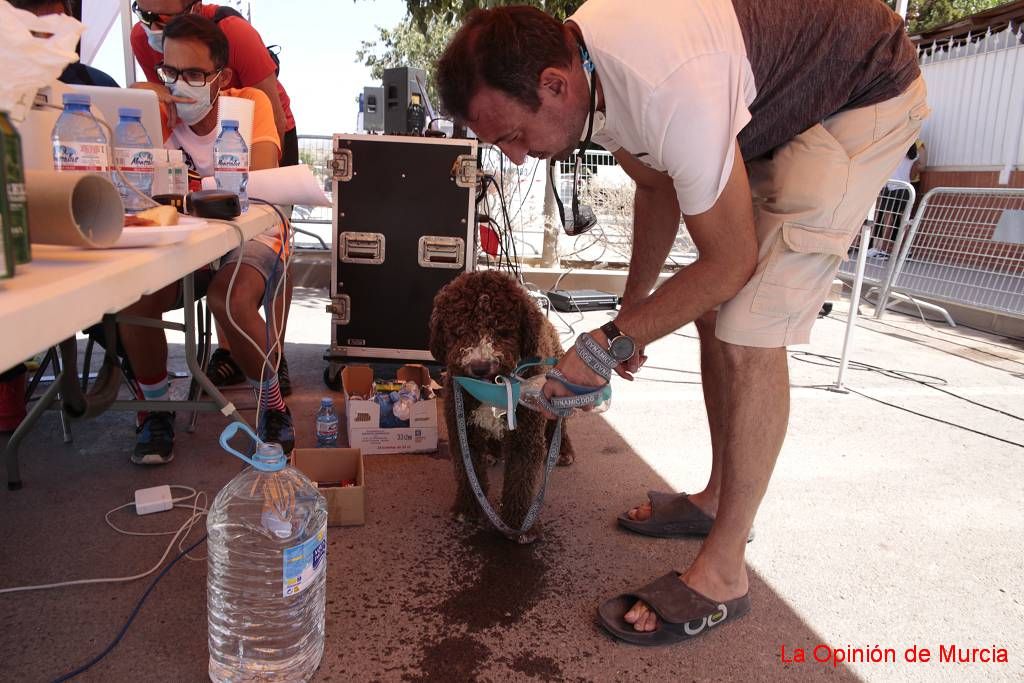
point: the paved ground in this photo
(880, 528)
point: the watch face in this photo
(622, 348)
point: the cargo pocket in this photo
(800, 265)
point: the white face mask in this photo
(193, 112)
(155, 38)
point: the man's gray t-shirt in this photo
(814, 58)
(683, 80)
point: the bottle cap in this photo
(270, 455)
(129, 113)
(227, 124)
(327, 401)
(77, 98)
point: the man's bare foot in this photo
(702, 500)
(709, 584)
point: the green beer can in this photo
(12, 176)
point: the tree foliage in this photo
(923, 15)
(407, 45)
(450, 12)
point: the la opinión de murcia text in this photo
(915, 654)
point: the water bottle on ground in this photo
(326, 425)
(231, 162)
(133, 155)
(266, 572)
(79, 143)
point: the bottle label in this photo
(133, 159)
(231, 162)
(303, 563)
(327, 429)
(80, 156)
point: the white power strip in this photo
(155, 499)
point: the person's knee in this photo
(245, 295)
(746, 358)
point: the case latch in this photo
(464, 170)
(340, 309)
(438, 251)
(361, 247)
(341, 164)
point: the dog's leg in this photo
(524, 461)
(465, 507)
(566, 453)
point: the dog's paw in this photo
(532, 535)
(463, 516)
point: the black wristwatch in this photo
(620, 346)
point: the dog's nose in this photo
(481, 368)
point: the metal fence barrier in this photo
(964, 247)
(313, 222)
(890, 219)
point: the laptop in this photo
(37, 127)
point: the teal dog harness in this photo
(507, 393)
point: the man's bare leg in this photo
(712, 371)
(756, 383)
(246, 295)
(146, 347)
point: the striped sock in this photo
(269, 393)
(151, 389)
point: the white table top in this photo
(66, 289)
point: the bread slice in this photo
(160, 215)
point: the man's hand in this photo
(166, 98)
(628, 368)
(576, 372)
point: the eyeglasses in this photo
(195, 77)
(150, 18)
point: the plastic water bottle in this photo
(79, 143)
(326, 424)
(266, 573)
(231, 162)
(170, 174)
(178, 172)
(133, 155)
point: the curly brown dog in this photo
(483, 324)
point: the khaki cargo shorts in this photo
(810, 200)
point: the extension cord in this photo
(154, 499)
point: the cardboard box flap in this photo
(414, 373)
(357, 380)
(330, 464)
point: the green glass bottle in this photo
(12, 176)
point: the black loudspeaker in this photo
(400, 84)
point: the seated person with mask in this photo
(195, 68)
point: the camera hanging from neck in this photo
(583, 218)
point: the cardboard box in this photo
(362, 417)
(346, 506)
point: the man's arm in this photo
(656, 212)
(269, 86)
(727, 242)
(264, 155)
(725, 238)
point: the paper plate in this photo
(156, 236)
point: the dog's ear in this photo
(438, 343)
